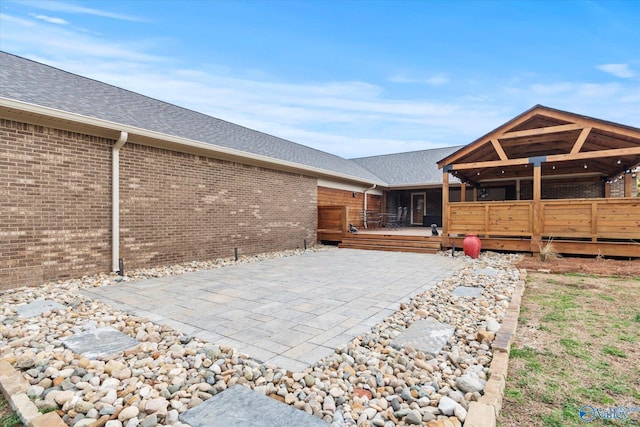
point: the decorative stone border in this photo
(485, 411)
(14, 387)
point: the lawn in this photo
(577, 348)
(7, 417)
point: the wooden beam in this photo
(630, 151)
(580, 141)
(628, 185)
(542, 131)
(597, 124)
(445, 208)
(536, 238)
(490, 164)
(499, 150)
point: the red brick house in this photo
(91, 173)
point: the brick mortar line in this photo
(485, 411)
(14, 388)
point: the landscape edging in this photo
(484, 412)
(14, 388)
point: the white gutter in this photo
(364, 193)
(115, 200)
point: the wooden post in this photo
(628, 184)
(445, 208)
(536, 238)
(475, 194)
(594, 221)
(607, 190)
(463, 192)
(345, 221)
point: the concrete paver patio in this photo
(289, 311)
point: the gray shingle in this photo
(409, 169)
(28, 81)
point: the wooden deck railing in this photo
(591, 218)
(568, 218)
(491, 218)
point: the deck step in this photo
(417, 244)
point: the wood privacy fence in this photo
(332, 222)
(592, 219)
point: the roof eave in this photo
(179, 143)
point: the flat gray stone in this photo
(99, 342)
(467, 291)
(427, 335)
(37, 307)
(486, 271)
(240, 406)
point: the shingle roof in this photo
(410, 169)
(32, 82)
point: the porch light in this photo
(585, 165)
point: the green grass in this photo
(11, 419)
(628, 338)
(574, 348)
(514, 394)
(614, 351)
(581, 354)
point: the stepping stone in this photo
(486, 271)
(99, 342)
(242, 407)
(37, 307)
(467, 291)
(427, 335)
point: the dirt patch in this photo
(576, 347)
(587, 266)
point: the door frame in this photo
(424, 206)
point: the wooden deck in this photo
(605, 227)
(333, 226)
(411, 239)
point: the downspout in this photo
(364, 193)
(115, 200)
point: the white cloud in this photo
(24, 35)
(551, 88)
(50, 19)
(618, 70)
(343, 117)
(436, 80)
(58, 6)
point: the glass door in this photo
(418, 201)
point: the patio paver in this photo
(288, 311)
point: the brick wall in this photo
(573, 189)
(581, 188)
(179, 207)
(55, 193)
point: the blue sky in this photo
(355, 77)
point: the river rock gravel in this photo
(370, 381)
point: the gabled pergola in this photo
(547, 144)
